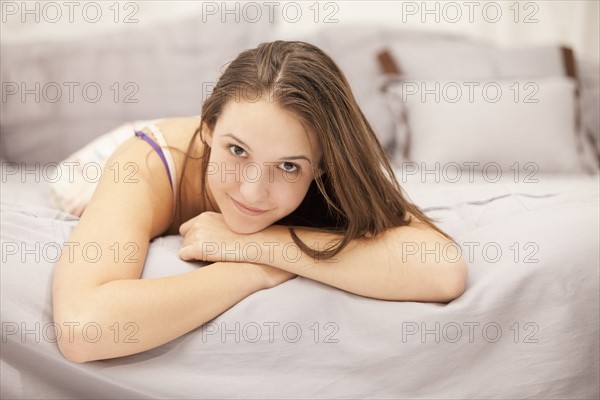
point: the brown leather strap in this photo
(387, 63)
(569, 62)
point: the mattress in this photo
(527, 325)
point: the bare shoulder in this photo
(179, 131)
(414, 221)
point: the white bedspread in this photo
(526, 327)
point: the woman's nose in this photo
(254, 185)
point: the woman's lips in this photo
(247, 210)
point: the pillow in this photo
(78, 174)
(83, 86)
(490, 124)
(471, 59)
(354, 49)
(472, 63)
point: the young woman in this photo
(281, 176)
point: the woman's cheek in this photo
(221, 172)
(216, 184)
(292, 195)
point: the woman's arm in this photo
(101, 308)
(405, 263)
(412, 263)
(128, 316)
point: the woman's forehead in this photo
(265, 125)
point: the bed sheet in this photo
(526, 327)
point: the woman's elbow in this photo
(75, 333)
(71, 337)
(70, 344)
(73, 352)
(455, 280)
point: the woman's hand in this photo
(208, 238)
(273, 276)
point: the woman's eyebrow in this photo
(239, 140)
(299, 157)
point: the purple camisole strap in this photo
(158, 150)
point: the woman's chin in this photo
(243, 227)
(244, 231)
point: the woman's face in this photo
(261, 163)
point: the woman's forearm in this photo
(133, 315)
(381, 268)
(412, 263)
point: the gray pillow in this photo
(139, 73)
(442, 59)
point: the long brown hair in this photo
(357, 186)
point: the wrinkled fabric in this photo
(526, 326)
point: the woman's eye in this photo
(236, 150)
(289, 167)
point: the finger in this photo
(185, 227)
(184, 242)
(187, 253)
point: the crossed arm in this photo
(411, 263)
(399, 264)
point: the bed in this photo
(527, 325)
